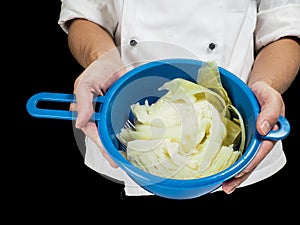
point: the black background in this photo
(45, 171)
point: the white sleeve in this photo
(101, 12)
(276, 19)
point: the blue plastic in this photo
(142, 83)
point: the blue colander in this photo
(142, 83)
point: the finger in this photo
(84, 105)
(264, 150)
(73, 107)
(231, 185)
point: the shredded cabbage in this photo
(190, 132)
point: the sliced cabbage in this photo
(190, 132)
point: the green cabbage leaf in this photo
(192, 131)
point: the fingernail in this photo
(265, 127)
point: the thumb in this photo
(271, 106)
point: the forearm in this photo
(88, 41)
(277, 64)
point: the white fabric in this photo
(173, 28)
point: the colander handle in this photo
(281, 133)
(34, 111)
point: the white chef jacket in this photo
(229, 32)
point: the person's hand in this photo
(94, 81)
(272, 106)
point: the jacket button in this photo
(211, 46)
(133, 42)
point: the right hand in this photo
(92, 82)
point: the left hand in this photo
(272, 105)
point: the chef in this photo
(256, 40)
